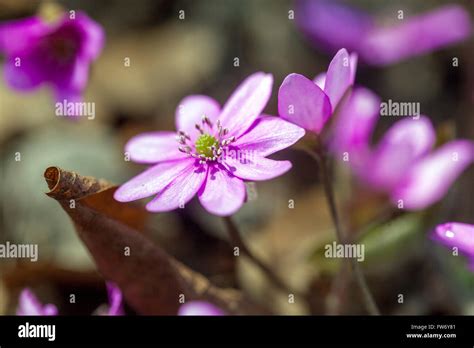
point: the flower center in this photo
(206, 145)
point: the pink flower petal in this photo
(76, 81)
(339, 77)
(180, 191)
(153, 147)
(456, 234)
(320, 80)
(152, 180)
(256, 168)
(268, 135)
(403, 144)
(303, 103)
(222, 194)
(355, 122)
(416, 35)
(353, 58)
(429, 179)
(21, 34)
(191, 110)
(30, 305)
(199, 308)
(28, 75)
(115, 300)
(94, 35)
(332, 24)
(246, 103)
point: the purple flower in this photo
(402, 164)
(331, 25)
(459, 235)
(199, 308)
(310, 104)
(28, 304)
(214, 151)
(58, 54)
(115, 300)
(115, 305)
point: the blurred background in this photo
(215, 46)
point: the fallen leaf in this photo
(150, 279)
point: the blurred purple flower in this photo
(357, 116)
(402, 164)
(199, 308)
(59, 54)
(115, 300)
(214, 151)
(28, 304)
(331, 25)
(459, 235)
(310, 104)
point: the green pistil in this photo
(204, 145)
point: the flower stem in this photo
(237, 240)
(369, 301)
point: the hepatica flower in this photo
(403, 164)
(57, 53)
(330, 24)
(457, 235)
(310, 104)
(28, 304)
(213, 151)
(199, 308)
(115, 307)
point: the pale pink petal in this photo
(223, 193)
(302, 102)
(456, 234)
(115, 300)
(152, 180)
(353, 62)
(180, 191)
(256, 168)
(199, 308)
(153, 147)
(355, 122)
(403, 144)
(191, 110)
(50, 309)
(416, 35)
(429, 179)
(320, 80)
(246, 103)
(94, 36)
(268, 135)
(338, 77)
(29, 304)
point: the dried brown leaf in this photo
(151, 280)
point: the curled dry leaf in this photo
(151, 280)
